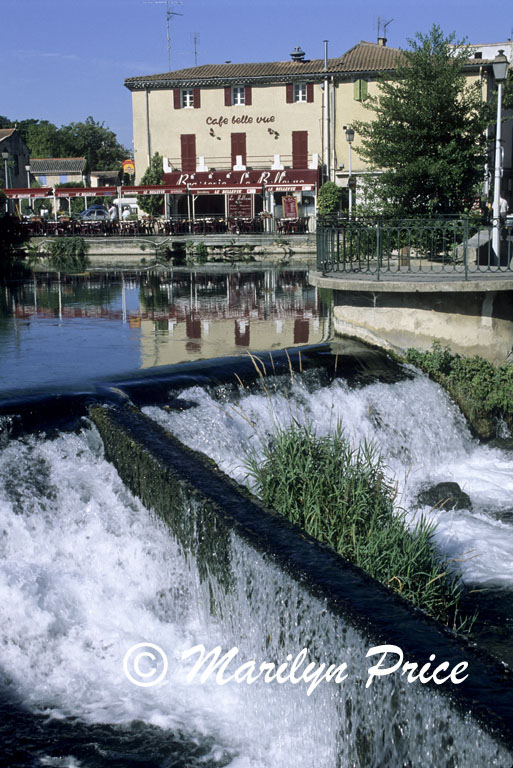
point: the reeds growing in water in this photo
(340, 495)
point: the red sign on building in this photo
(215, 182)
(289, 207)
(240, 206)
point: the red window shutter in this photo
(290, 93)
(176, 98)
(188, 146)
(227, 96)
(299, 149)
(197, 98)
(238, 147)
(309, 92)
(247, 95)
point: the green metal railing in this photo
(383, 247)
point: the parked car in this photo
(95, 213)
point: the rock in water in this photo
(445, 496)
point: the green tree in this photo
(90, 139)
(41, 137)
(329, 198)
(12, 239)
(153, 204)
(427, 135)
(77, 203)
(93, 141)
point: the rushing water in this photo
(422, 436)
(86, 572)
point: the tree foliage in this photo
(90, 139)
(12, 239)
(68, 254)
(329, 198)
(427, 135)
(93, 141)
(153, 204)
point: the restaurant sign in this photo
(291, 179)
(289, 207)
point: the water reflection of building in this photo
(178, 316)
(212, 315)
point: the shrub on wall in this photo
(68, 254)
(328, 200)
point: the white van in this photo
(127, 206)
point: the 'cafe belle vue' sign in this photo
(242, 120)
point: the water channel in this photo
(87, 571)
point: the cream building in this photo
(239, 138)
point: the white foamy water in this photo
(421, 434)
(85, 573)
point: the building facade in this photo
(50, 171)
(242, 137)
(16, 160)
(262, 137)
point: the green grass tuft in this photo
(340, 496)
(483, 391)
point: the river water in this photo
(70, 332)
(86, 571)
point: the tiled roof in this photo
(6, 132)
(364, 56)
(105, 174)
(370, 57)
(57, 165)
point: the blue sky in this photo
(67, 59)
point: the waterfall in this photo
(419, 431)
(87, 571)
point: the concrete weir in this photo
(275, 590)
(472, 317)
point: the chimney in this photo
(297, 54)
(382, 41)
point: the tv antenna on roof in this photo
(385, 25)
(169, 16)
(196, 39)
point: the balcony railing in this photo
(381, 248)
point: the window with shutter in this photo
(227, 96)
(187, 98)
(299, 91)
(309, 93)
(238, 141)
(238, 95)
(177, 101)
(289, 93)
(247, 95)
(196, 98)
(188, 147)
(299, 149)
(360, 90)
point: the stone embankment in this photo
(198, 249)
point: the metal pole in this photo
(497, 179)
(350, 182)
(6, 181)
(326, 114)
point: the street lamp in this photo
(27, 168)
(5, 156)
(500, 72)
(350, 139)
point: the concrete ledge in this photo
(411, 282)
